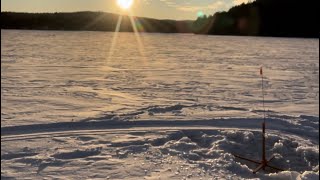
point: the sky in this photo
(160, 9)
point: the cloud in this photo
(213, 6)
(194, 6)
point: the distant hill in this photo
(280, 18)
(285, 18)
(89, 21)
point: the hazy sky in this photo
(162, 9)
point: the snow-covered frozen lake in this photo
(63, 76)
(168, 106)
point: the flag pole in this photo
(264, 161)
(262, 88)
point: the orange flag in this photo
(261, 71)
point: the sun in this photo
(125, 4)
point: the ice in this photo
(50, 77)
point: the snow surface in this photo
(180, 111)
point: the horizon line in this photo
(53, 12)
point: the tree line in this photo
(89, 21)
(285, 18)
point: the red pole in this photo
(264, 159)
(262, 88)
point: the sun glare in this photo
(125, 4)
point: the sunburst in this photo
(125, 4)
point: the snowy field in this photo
(170, 107)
